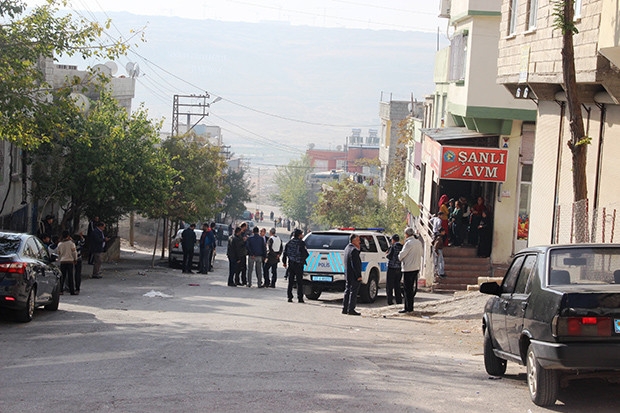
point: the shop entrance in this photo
(469, 189)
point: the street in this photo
(155, 340)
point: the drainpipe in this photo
(599, 159)
(558, 163)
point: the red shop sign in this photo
(473, 164)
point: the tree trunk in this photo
(578, 142)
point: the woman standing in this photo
(67, 256)
(445, 217)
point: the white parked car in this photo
(324, 268)
(175, 253)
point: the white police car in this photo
(324, 268)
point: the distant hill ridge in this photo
(327, 76)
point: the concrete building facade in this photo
(530, 62)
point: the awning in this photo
(445, 134)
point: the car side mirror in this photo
(491, 287)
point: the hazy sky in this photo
(418, 15)
(156, 85)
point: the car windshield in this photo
(584, 266)
(327, 241)
(9, 245)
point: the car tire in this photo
(311, 292)
(370, 290)
(53, 306)
(543, 384)
(25, 315)
(494, 365)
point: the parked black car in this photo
(557, 311)
(27, 277)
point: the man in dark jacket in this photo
(97, 247)
(353, 275)
(256, 256)
(295, 254)
(274, 250)
(188, 240)
(236, 255)
(394, 272)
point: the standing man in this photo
(256, 256)
(45, 226)
(410, 258)
(295, 254)
(352, 274)
(394, 272)
(188, 240)
(274, 250)
(231, 252)
(202, 248)
(97, 247)
(220, 235)
(210, 247)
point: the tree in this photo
(237, 188)
(342, 204)
(578, 143)
(28, 37)
(197, 189)
(293, 194)
(103, 163)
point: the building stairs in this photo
(463, 268)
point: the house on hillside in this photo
(18, 212)
(530, 66)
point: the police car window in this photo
(383, 244)
(367, 243)
(327, 241)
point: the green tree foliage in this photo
(27, 38)
(197, 188)
(293, 192)
(237, 188)
(104, 163)
(343, 204)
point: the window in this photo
(512, 22)
(367, 243)
(383, 243)
(510, 280)
(458, 55)
(532, 13)
(577, 6)
(524, 275)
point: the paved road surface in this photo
(200, 346)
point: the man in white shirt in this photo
(411, 258)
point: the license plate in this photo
(323, 278)
(617, 326)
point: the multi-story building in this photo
(18, 211)
(474, 137)
(530, 66)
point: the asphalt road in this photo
(195, 345)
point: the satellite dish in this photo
(136, 70)
(113, 67)
(130, 68)
(103, 69)
(80, 101)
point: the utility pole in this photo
(189, 105)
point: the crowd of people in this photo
(463, 224)
(67, 250)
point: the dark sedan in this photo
(27, 277)
(557, 312)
